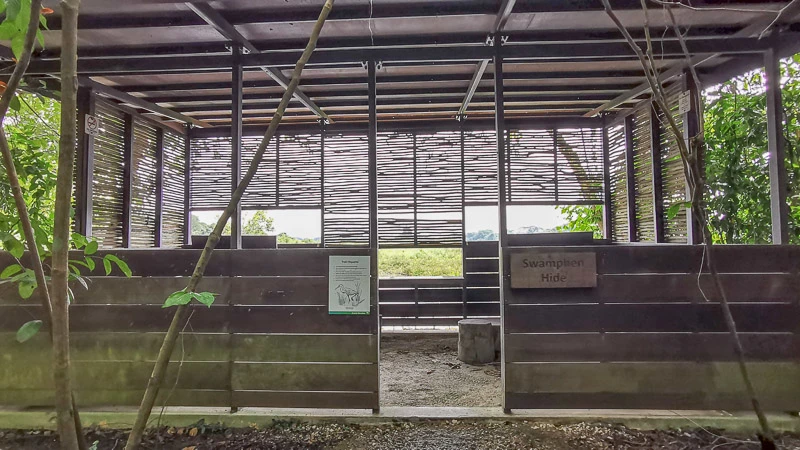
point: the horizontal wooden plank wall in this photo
(647, 338)
(267, 341)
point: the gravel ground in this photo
(451, 435)
(424, 370)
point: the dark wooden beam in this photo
(228, 31)
(236, 143)
(372, 142)
(159, 187)
(755, 28)
(778, 183)
(608, 204)
(691, 126)
(127, 180)
(129, 99)
(658, 182)
(630, 180)
(84, 177)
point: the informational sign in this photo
(348, 285)
(92, 125)
(685, 102)
(538, 270)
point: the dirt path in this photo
(451, 435)
(424, 370)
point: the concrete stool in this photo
(476, 341)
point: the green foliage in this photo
(482, 235)
(583, 218)
(737, 163)
(15, 24)
(28, 330)
(184, 298)
(284, 238)
(259, 225)
(422, 262)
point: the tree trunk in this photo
(61, 231)
(160, 368)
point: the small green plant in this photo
(183, 297)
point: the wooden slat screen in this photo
(108, 174)
(300, 170)
(480, 167)
(674, 181)
(346, 202)
(173, 232)
(619, 184)
(643, 176)
(268, 341)
(646, 337)
(262, 192)
(143, 185)
(555, 166)
(397, 188)
(211, 173)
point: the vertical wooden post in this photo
(236, 141)
(464, 311)
(777, 149)
(187, 186)
(502, 200)
(322, 182)
(608, 212)
(159, 186)
(630, 180)
(84, 175)
(414, 177)
(555, 162)
(127, 180)
(658, 182)
(691, 126)
(372, 142)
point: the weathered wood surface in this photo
(267, 341)
(647, 337)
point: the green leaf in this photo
(206, 298)
(26, 289)
(7, 30)
(178, 298)
(11, 270)
(40, 36)
(15, 104)
(676, 208)
(79, 240)
(91, 248)
(90, 264)
(14, 246)
(107, 265)
(17, 45)
(28, 330)
(123, 267)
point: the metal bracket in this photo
(323, 121)
(461, 118)
(378, 65)
(489, 40)
(503, 39)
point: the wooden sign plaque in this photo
(538, 270)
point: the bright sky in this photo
(306, 223)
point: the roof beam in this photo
(223, 27)
(755, 28)
(506, 7)
(129, 99)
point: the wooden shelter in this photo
(408, 113)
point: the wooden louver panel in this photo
(643, 176)
(396, 188)
(261, 194)
(299, 166)
(173, 232)
(346, 202)
(143, 185)
(673, 178)
(619, 184)
(211, 173)
(480, 167)
(108, 175)
(438, 186)
(580, 165)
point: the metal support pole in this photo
(658, 182)
(322, 181)
(777, 149)
(608, 211)
(372, 142)
(159, 186)
(187, 186)
(127, 180)
(629, 178)
(84, 177)
(236, 141)
(464, 308)
(500, 128)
